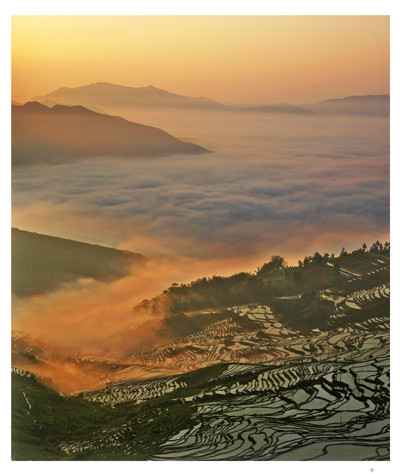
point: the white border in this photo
(208, 7)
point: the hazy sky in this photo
(228, 58)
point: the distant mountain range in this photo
(71, 123)
(367, 105)
(65, 133)
(105, 96)
(41, 263)
(276, 109)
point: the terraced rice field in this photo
(335, 413)
(252, 388)
(325, 397)
(336, 408)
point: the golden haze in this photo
(227, 58)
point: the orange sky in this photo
(228, 58)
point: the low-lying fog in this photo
(274, 185)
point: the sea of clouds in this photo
(272, 185)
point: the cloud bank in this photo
(273, 185)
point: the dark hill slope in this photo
(64, 133)
(41, 263)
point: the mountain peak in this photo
(104, 94)
(72, 110)
(33, 106)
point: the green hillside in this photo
(42, 263)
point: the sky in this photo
(232, 59)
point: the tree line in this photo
(273, 278)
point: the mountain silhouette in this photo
(104, 94)
(50, 104)
(364, 105)
(276, 109)
(66, 133)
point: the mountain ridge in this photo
(103, 94)
(126, 96)
(106, 94)
(362, 105)
(67, 133)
